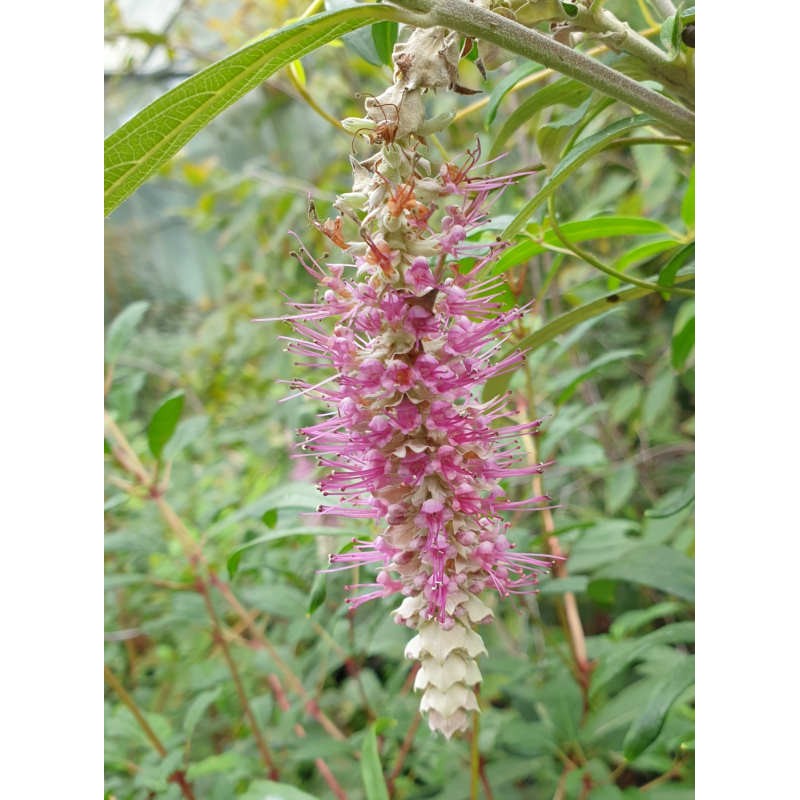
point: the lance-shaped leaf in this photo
(140, 146)
(582, 152)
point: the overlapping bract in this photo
(406, 333)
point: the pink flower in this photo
(408, 441)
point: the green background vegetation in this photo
(219, 632)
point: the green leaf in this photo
(683, 335)
(293, 495)
(233, 563)
(603, 305)
(687, 204)
(625, 653)
(582, 152)
(164, 423)
(288, 533)
(504, 86)
(318, 593)
(646, 728)
(619, 486)
(270, 517)
(138, 148)
(214, 764)
(188, 432)
(564, 90)
(643, 252)
(683, 500)
(371, 771)
(197, 708)
(631, 621)
(572, 583)
(270, 790)
(570, 9)
(670, 33)
(607, 792)
(657, 399)
(384, 35)
(584, 230)
(668, 272)
(571, 379)
(122, 329)
(659, 566)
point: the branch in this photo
(471, 20)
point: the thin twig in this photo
(568, 605)
(405, 747)
(263, 748)
(178, 777)
(537, 77)
(599, 265)
(283, 703)
(474, 21)
(126, 456)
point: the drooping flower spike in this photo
(405, 336)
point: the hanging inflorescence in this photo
(414, 335)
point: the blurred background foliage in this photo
(219, 632)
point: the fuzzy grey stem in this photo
(471, 20)
(622, 37)
(665, 7)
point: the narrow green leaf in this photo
(270, 517)
(658, 566)
(371, 771)
(294, 495)
(670, 33)
(582, 152)
(504, 86)
(384, 35)
(288, 533)
(164, 423)
(684, 256)
(606, 792)
(319, 591)
(197, 708)
(658, 398)
(619, 486)
(233, 563)
(646, 728)
(564, 90)
(572, 379)
(683, 500)
(572, 583)
(565, 322)
(682, 344)
(641, 253)
(122, 329)
(630, 622)
(136, 150)
(628, 652)
(188, 432)
(577, 231)
(270, 790)
(687, 204)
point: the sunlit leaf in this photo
(646, 727)
(504, 86)
(136, 149)
(371, 770)
(565, 90)
(384, 35)
(657, 566)
(122, 329)
(577, 156)
(164, 422)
